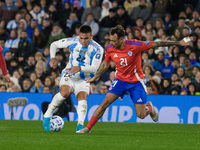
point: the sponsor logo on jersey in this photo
(98, 56)
(130, 53)
(147, 42)
(139, 100)
(115, 55)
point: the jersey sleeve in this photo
(141, 46)
(63, 43)
(107, 56)
(96, 61)
(3, 63)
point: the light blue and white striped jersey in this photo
(89, 58)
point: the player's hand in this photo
(186, 41)
(89, 80)
(52, 62)
(73, 70)
(6, 78)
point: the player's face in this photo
(85, 38)
(115, 41)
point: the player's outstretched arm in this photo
(184, 42)
(103, 67)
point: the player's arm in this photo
(184, 42)
(63, 43)
(4, 67)
(103, 67)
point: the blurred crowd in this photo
(28, 27)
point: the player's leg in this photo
(81, 90)
(57, 100)
(109, 99)
(139, 97)
(116, 89)
(81, 109)
(65, 91)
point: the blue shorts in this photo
(137, 91)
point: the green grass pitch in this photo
(29, 135)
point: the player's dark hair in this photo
(85, 29)
(119, 30)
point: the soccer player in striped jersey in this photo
(129, 76)
(6, 76)
(85, 58)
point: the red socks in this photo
(149, 107)
(92, 122)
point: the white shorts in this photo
(77, 84)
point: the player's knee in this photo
(65, 94)
(141, 115)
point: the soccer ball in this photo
(57, 123)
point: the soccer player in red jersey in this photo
(4, 67)
(129, 76)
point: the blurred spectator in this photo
(92, 23)
(141, 11)
(2, 44)
(184, 91)
(149, 88)
(28, 18)
(130, 4)
(46, 89)
(26, 85)
(30, 65)
(8, 10)
(3, 88)
(47, 28)
(174, 77)
(37, 13)
(111, 78)
(168, 22)
(192, 88)
(71, 23)
(157, 65)
(25, 46)
(38, 86)
(181, 72)
(30, 29)
(56, 34)
(165, 86)
(174, 90)
(76, 7)
(38, 39)
(103, 89)
(94, 9)
(49, 83)
(33, 77)
(13, 24)
(195, 70)
(149, 28)
(16, 88)
(3, 33)
(197, 81)
(53, 13)
(106, 5)
(109, 20)
(66, 11)
(122, 18)
(13, 42)
(21, 26)
(60, 59)
(40, 70)
(186, 81)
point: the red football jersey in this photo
(3, 63)
(128, 60)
